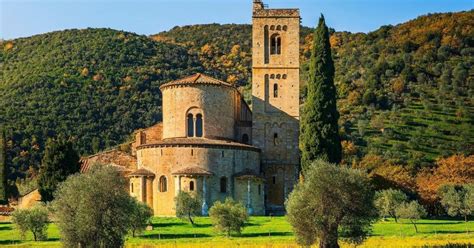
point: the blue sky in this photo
(21, 18)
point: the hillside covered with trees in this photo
(405, 92)
(94, 85)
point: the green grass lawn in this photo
(264, 232)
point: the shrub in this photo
(139, 217)
(34, 220)
(228, 216)
(187, 206)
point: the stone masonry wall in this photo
(222, 162)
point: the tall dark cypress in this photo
(319, 136)
(59, 161)
(3, 168)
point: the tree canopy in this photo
(331, 198)
(60, 160)
(319, 131)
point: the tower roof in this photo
(261, 10)
(197, 78)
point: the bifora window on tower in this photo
(275, 44)
(195, 125)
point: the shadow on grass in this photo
(9, 242)
(266, 234)
(174, 236)
(168, 224)
(449, 246)
(16, 241)
(446, 232)
(251, 224)
(440, 223)
(4, 228)
(197, 225)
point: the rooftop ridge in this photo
(198, 78)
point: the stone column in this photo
(177, 185)
(204, 208)
(143, 189)
(249, 200)
(149, 191)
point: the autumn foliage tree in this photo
(454, 170)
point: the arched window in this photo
(190, 125)
(131, 187)
(274, 180)
(259, 190)
(275, 90)
(163, 184)
(275, 44)
(199, 125)
(223, 184)
(191, 186)
(275, 139)
(245, 138)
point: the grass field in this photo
(266, 232)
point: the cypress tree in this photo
(3, 168)
(59, 161)
(319, 136)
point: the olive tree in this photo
(331, 198)
(187, 206)
(228, 216)
(34, 220)
(93, 209)
(387, 201)
(458, 200)
(412, 211)
(139, 217)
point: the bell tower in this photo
(275, 98)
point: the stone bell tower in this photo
(275, 98)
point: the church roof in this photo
(142, 172)
(248, 173)
(197, 78)
(201, 142)
(192, 170)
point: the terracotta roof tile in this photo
(197, 78)
(142, 172)
(248, 173)
(198, 142)
(192, 170)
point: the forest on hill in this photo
(405, 92)
(94, 85)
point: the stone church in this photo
(212, 144)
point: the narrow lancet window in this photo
(223, 184)
(199, 125)
(275, 90)
(163, 184)
(191, 186)
(190, 125)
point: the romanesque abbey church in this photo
(212, 144)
